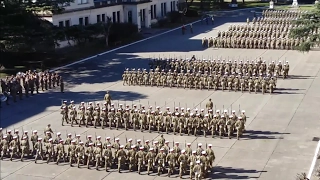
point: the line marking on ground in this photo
(314, 160)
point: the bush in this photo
(191, 13)
(162, 22)
(122, 31)
(174, 16)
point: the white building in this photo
(140, 12)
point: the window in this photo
(67, 23)
(114, 17)
(153, 11)
(98, 18)
(130, 16)
(103, 18)
(118, 17)
(86, 21)
(163, 9)
(82, 1)
(173, 6)
(60, 23)
(80, 21)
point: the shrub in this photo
(191, 13)
(122, 31)
(162, 22)
(174, 16)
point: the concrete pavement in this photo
(280, 127)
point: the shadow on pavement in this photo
(230, 173)
(28, 107)
(253, 134)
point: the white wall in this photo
(91, 14)
(79, 4)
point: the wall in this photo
(91, 14)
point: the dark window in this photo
(86, 21)
(118, 17)
(114, 17)
(155, 11)
(67, 23)
(98, 18)
(103, 18)
(80, 21)
(60, 23)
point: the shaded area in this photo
(16, 112)
(255, 134)
(220, 172)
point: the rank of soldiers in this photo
(282, 13)
(139, 155)
(180, 120)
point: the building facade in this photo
(140, 12)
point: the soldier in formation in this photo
(178, 120)
(138, 156)
(269, 32)
(27, 84)
(232, 75)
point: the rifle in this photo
(95, 135)
(172, 142)
(126, 138)
(143, 139)
(185, 144)
(114, 139)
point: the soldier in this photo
(98, 155)
(107, 98)
(106, 143)
(183, 163)
(146, 146)
(128, 145)
(24, 147)
(69, 139)
(107, 154)
(188, 150)
(73, 115)
(192, 161)
(58, 138)
(131, 155)
(77, 139)
(199, 149)
(72, 150)
(121, 156)
(239, 127)
(150, 157)
(89, 154)
(140, 157)
(98, 141)
(48, 129)
(104, 117)
(197, 170)
(38, 147)
(4, 146)
(89, 140)
(161, 140)
(116, 145)
(60, 152)
(211, 156)
(161, 159)
(49, 150)
(25, 135)
(14, 147)
(34, 139)
(170, 159)
(209, 104)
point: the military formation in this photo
(27, 84)
(178, 120)
(153, 156)
(231, 75)
(269, 32)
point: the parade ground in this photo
(280, 129)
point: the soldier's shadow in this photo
(255, 134)
(220, 172)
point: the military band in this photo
(152, 156)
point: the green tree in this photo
(22, 30)
(308, 29)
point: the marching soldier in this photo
(121, 156)
(140, 157)
(98, 155)
(14, 147)
(89, 140)
(107, 98)
(107, 154)
(49, 150)
(183, 163)
(24, 147)
(192, 161)
(72, 150)
(60, 152)
(38, 147)
(89, 154)
(150, 157)
(170, 159)
(211, 156)
(34, 139)
(197, 170)
(161, 159)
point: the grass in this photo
(65, 56)
(303, 7)
(209, 6)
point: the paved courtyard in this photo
(280, 127)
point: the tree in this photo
(22, 30)
(106, 27)
(307, 30)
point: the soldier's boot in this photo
(167, 130)
(149, 128)
(174, 131)
(159, 169)
(97, 165)
(220, 134)
(195, 132)
(180, 131)
(229, 134)
(48, 159)
(205, 133)
(139, 169)
(21, 157)
(62, 120)
(70, 162)
(11, 157)
(191, 173)
(119, 165)
(212, 133)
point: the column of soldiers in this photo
(139, 155)
(211, 74)
(178, 121)
(269, 32)
(28, 83)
